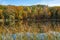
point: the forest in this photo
(36, 12)
(11, 15)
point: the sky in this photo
(30, 2)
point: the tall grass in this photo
(52, 35)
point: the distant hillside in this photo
(34, 11)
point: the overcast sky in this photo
(30, 2)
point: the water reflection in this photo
(36, 26)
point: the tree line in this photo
(34, 12)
